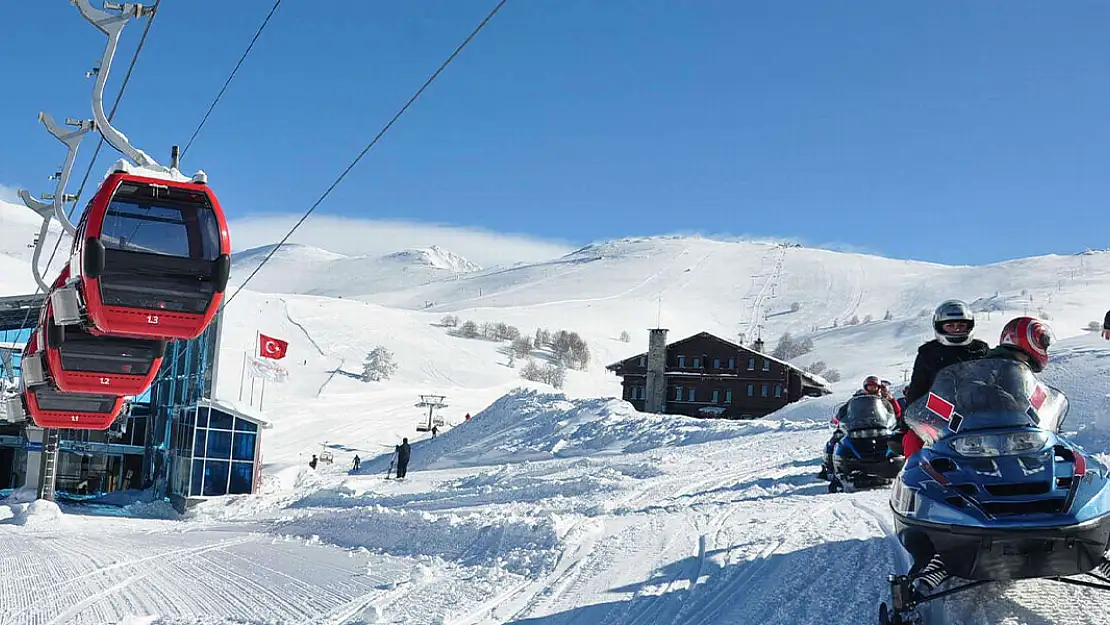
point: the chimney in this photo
(758, 345)
(656, 392)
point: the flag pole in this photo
(263, 396)
(242, 375)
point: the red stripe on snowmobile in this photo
(1080, 464)
(1038, 397)
(933, 473)
(940, 406)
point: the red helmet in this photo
(1030, 336)
(872, 380)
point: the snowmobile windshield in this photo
(868, 412)
(986, 394)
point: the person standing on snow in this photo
(358, 461)
(403, 451)
(312, 463)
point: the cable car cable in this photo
(229, 78)
(88, 171)
(368, 147)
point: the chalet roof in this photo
(812, 377)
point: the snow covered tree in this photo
(1094, 326)
(625, 336)
(379, 365)
(468, 330)
(521, 346)
(867, 319)
(555, 375)
(570, 349)
(795, 306)
(888, 316)
(788, 347)
(449, 321)
(832, 375)
(512, 333)
(531, 371)
(854, 321)
(816, 367)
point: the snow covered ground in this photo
(546, 508)
(541, 509)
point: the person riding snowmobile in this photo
(1024, 339)
(1106, 327)
(871, 386)
(954, 327)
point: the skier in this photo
(1024, 339)
(358, 461)
(435, 430)
(467, 417)
(312, 463)
(1106, 327)
(403, 452)
(871, 386)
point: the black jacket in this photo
(403, 451)
(932, 357)
(1106, 321)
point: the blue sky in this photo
(956, 132)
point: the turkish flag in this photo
(269, 347)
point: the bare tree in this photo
(625, 336)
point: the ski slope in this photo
(545, 508)
(541, 509)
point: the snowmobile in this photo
(997, 493)
(867, 449)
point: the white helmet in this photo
(953, 310)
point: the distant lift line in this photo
(368, 147)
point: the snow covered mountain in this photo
(549, 508)
(302, 269)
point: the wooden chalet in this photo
(707, 376)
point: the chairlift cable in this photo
(88, 171)
(229, 78)
(368, 147)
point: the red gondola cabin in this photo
(79, 362)
(150, 260)
(50, 408)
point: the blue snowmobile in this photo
(866, 449)
(997, 493)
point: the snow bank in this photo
(528, 425)
(1080, 368)
(523, 545)
(38, 512)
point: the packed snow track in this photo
(540, 510)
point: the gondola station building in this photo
(175, 442)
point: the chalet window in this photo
(716, 363)
(716, 396)
(681, 361)
(751, 364)
(731, 363)
(728, 396)
(763, 389)
(643, 361)
(751, 390)
(690, 395)
(766, 365)
(678, 393)
(697, 363)
(778, 390)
